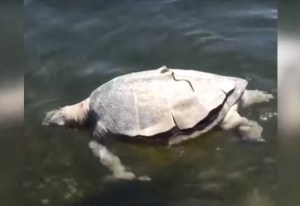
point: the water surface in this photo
(75, 46)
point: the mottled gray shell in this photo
(152, 102)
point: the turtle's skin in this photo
(180, 104)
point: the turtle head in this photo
(55, 117)
(70, 116)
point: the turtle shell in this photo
(152, 102)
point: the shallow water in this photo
(75, 46)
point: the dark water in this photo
(75, 46)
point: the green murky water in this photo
(75, 46)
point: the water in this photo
(75, 46)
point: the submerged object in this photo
(169, 104)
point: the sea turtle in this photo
(166, 104)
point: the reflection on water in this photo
(74, 46)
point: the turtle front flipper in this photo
(113, 163)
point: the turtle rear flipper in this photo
(249, 131)
(251, 97)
